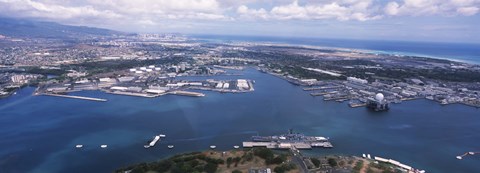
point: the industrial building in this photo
(379, 103)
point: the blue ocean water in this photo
(465, 52)
(39, 133)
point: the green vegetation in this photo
(332, 162)
(193, 162)
(315, 162)
(268, 156)
(358, 166)
(284, 168)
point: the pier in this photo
(76, 97)
(321, 88)
(460, 157)
(188, 93)
(323, 93)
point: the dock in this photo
(134, 94)
(188, 93)
(356, 105)
(321, 88)
(75, 97)
(323, 93)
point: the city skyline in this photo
(408, 20)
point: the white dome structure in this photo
(379, 97)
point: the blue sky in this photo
(413, 20)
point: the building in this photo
(18, 78)
(379, 103)
(357, 80)
(242, 84)
(260, 170)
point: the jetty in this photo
(75, 97)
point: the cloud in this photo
(29, 8)
(432, 7)
(157, 14)
(360, 10)
(143, 12)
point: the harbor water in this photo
(39, 133)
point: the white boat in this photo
(471, 153)
(459, 157)
(170, 146)
(78, 146)
(236, 146)
(162, 135)
(213, 146)
(103, 146)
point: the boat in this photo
(162, 135)
(103, 146)
(78, 146)
(236, 147)
(170, 146)
(459, 157)
(213, 146)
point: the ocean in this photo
(464, 52)
(39, 133)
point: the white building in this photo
(357, 80)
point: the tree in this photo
(211, 167)
(315, 161)
(332, 162)
(229, 162)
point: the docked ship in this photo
(287, 141)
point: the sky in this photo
(410, 20)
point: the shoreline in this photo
(362, 50)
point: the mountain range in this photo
(12, 27)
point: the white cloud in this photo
(432, 7)
(468, 11)
(156, 13)
(143, 12)
(360, 10)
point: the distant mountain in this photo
(31, 28)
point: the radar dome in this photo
(379, 97)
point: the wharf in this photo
(134, 94)
(188, 93)
(335, 98)
(321, 88)
(356, 105)
(323, 93)
(76, 97)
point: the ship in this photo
(289, 140)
